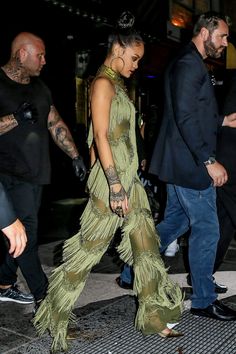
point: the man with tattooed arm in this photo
(27, 114)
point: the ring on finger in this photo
(118, 210)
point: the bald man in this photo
(27, 116)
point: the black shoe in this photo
(36, 306)
(219, 288)
(123, 284)
(13, 294)
(217, 311)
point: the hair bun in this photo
(126, 20)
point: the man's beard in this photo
(211, 50)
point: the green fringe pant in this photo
(160, 300)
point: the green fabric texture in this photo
(160, 300)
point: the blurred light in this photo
(178, 21)
(230, 56)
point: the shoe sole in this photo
(27, 302)
(218, 290)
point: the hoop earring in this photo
(114, 58)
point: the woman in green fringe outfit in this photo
(117, 199)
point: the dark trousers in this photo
(26, 199)
(226, 208)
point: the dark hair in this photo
(124, 32)
(209, 20)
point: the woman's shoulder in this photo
(103, 86)
(102, 82)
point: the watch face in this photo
(212, 160)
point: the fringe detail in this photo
(166, 295)
(124, 249)
(151, 309)
(137, 220)
(65, 285)
(95, 228)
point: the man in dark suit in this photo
(11, 227)
(184, 158)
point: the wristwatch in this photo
(210, 161)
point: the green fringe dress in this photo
(160, 300)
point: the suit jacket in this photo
(7, 215)
(190, 123)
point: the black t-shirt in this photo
(24, 150)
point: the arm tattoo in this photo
(117, 197)
(111, 175)
(7, 123)
(64, 140)
(61, 134)
(56, 118)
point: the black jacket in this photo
(190, 123)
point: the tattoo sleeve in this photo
(111, 175)
(7, 123)
(61, 134)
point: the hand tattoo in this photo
(112, 176)
(7, 123)
(117, 196)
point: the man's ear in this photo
(23, 53)
(204, 33)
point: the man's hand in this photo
(230, 120)
(143, 164)
(79, 168)
(17, 237)
(26, 113)
(218, 174)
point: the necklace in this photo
(112, 75)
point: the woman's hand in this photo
(118, 199)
